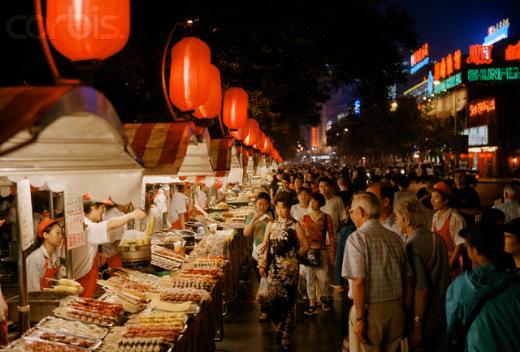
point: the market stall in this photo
(65, 140)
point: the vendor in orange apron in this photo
(447, 223)
(85, 258)
(110, 250)
(179, 210)
(43, 264)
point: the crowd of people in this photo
(427, 271)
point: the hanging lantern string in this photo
(42, 34)
(174, 113)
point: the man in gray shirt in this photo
(380, 278)
(429, 260)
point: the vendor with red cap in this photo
(44, 263)
(85, 258)
(447, 222)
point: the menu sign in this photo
(25, 213)
(74, 229)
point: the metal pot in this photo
(136, 254)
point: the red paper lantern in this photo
(241, 133)
(252, 136)
(88, 29)
(235, 108)
(259, 145)
(211, 108)
(189, 73)
(267, 146)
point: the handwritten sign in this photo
(25, 213)
(74, 229)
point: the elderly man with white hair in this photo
(380, 279)
(511, 205)
(428, 257)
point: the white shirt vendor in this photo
(37, 263)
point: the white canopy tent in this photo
(67, 139)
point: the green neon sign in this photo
(494, 74)
(449, 83)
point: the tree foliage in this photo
(378, 130)
(288, 55)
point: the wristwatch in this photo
(417, 319)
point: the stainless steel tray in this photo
(41, 325)
(59, 315)
(35, 335)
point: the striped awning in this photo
(161, 147)
(221, 155)
(23, 107)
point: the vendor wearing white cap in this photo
(85, 263)
(43, 264)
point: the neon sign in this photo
(513, 52)
(497, 32)
(447, 65)
(357, 107)
(314, 136)
(479, 54)
(482, 107)
(419, 59)
(449, 83)
(494, 74)
(419, 55)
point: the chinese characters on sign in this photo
(497, 32)
(25, 214)
(74, 229)
(447, 65)
(419, 59)
(513, 52)
(480, 54)
(419, 55)
(482, 107)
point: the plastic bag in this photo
(261, 296)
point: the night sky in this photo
(448, 25)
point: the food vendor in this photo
(110, 250)
(3, 317)
(43, 264)
(85, 258)
(179, 210)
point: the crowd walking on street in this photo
(415, 271)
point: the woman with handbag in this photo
(256, 225)
(316, 226)
(284, 243)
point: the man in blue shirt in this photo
(497, 325)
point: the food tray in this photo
(35, 335)
(103, 331)
(67, 317)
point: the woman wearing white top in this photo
(85, 258)
(302, 208)
(43, 263)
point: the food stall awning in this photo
(160, 146)
(197, 161)
(221, 155)
(66, 138)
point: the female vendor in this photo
(85, 258)
(44, 263)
